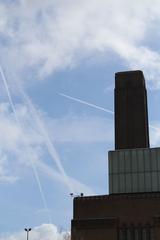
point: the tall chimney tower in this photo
(131, 114)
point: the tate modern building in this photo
(131, 210)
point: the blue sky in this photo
(52, 145)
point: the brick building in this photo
(131, 211)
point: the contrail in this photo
(8, 94)
(98, 107)
(51, 149)
(41, 191)
(87, 103)
(19, 123)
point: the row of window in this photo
(135, 233)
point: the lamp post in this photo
(28, 230)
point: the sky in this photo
(58, 60)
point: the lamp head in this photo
(28, 230)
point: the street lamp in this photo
(28, 230)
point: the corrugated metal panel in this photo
(135, 170)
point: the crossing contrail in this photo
(87, 103)
(20, 126)
(98, 107)
(47, 141)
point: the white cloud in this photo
(25, 144)
(76, 186)
(51, 35)
(44, 231)
(5, 172)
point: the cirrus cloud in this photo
(52, 35)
